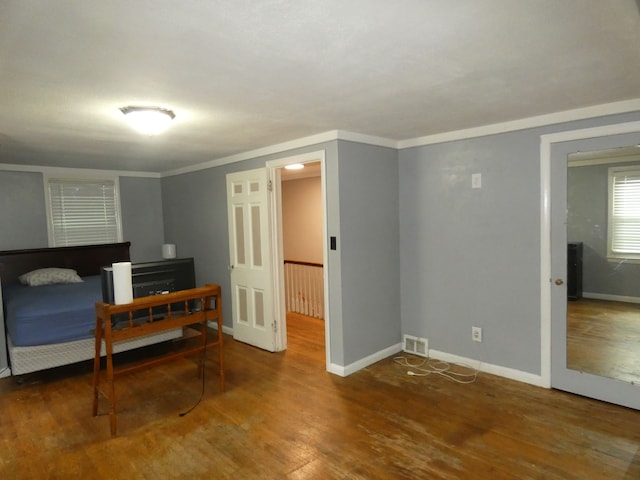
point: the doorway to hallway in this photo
(299, 221)
(305, 336)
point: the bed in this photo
(52, 324)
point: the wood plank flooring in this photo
(603, 338)
(283, 417)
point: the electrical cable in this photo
(438, 367)
(204, 359)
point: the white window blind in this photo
(624, 212)
(83, 212)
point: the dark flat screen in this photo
(153, 278)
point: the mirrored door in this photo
(595, 334)
(603, 263)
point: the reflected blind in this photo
(83, 212)
(624, 212)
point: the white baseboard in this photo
(339, 369)
(345, 371)
(225, 329)
(611, 298)
(498, 370)
(5, 372)
(364, 362)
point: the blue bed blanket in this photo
(51, 313)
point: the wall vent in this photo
(416, 345)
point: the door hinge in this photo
(270, 185)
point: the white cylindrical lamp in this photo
(168, 251)
(122, 283)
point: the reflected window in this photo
(623, 235)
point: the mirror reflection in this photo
(603, 263)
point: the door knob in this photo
(559, 281)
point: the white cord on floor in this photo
(438, 367)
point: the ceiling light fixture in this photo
(294, 166)
(148, 120)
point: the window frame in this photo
(71, 178)
(613, 256)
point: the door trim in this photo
(546, 143)
(273, 167)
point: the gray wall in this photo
(22, 212)
(587, 199)
(466, 256)
(472, 256)
(142, 218)
(362, 190)
(195, 219)
(24, 221)
(369, 243)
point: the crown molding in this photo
(493, 129)
(328, 136)
(12, 167)
(259, 152)
(525, 123)
(368, 139)
(332, 135)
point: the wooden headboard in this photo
(85, 259)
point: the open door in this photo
(250, 254)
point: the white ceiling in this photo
(245, 74)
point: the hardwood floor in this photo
(603, 338)
(283, 417)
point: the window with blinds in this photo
(83, 212)
(624, 213)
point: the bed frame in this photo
(86, 260)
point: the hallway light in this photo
(294, 166)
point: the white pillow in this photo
(48, 276)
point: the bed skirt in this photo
(40, 357)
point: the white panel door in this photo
(250, 254)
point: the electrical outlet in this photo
(476, 334)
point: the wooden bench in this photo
(148, 315)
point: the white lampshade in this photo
(168, 251)
(148, 120)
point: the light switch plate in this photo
(476, 180)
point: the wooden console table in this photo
(148, 315)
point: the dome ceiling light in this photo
(148, 120)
